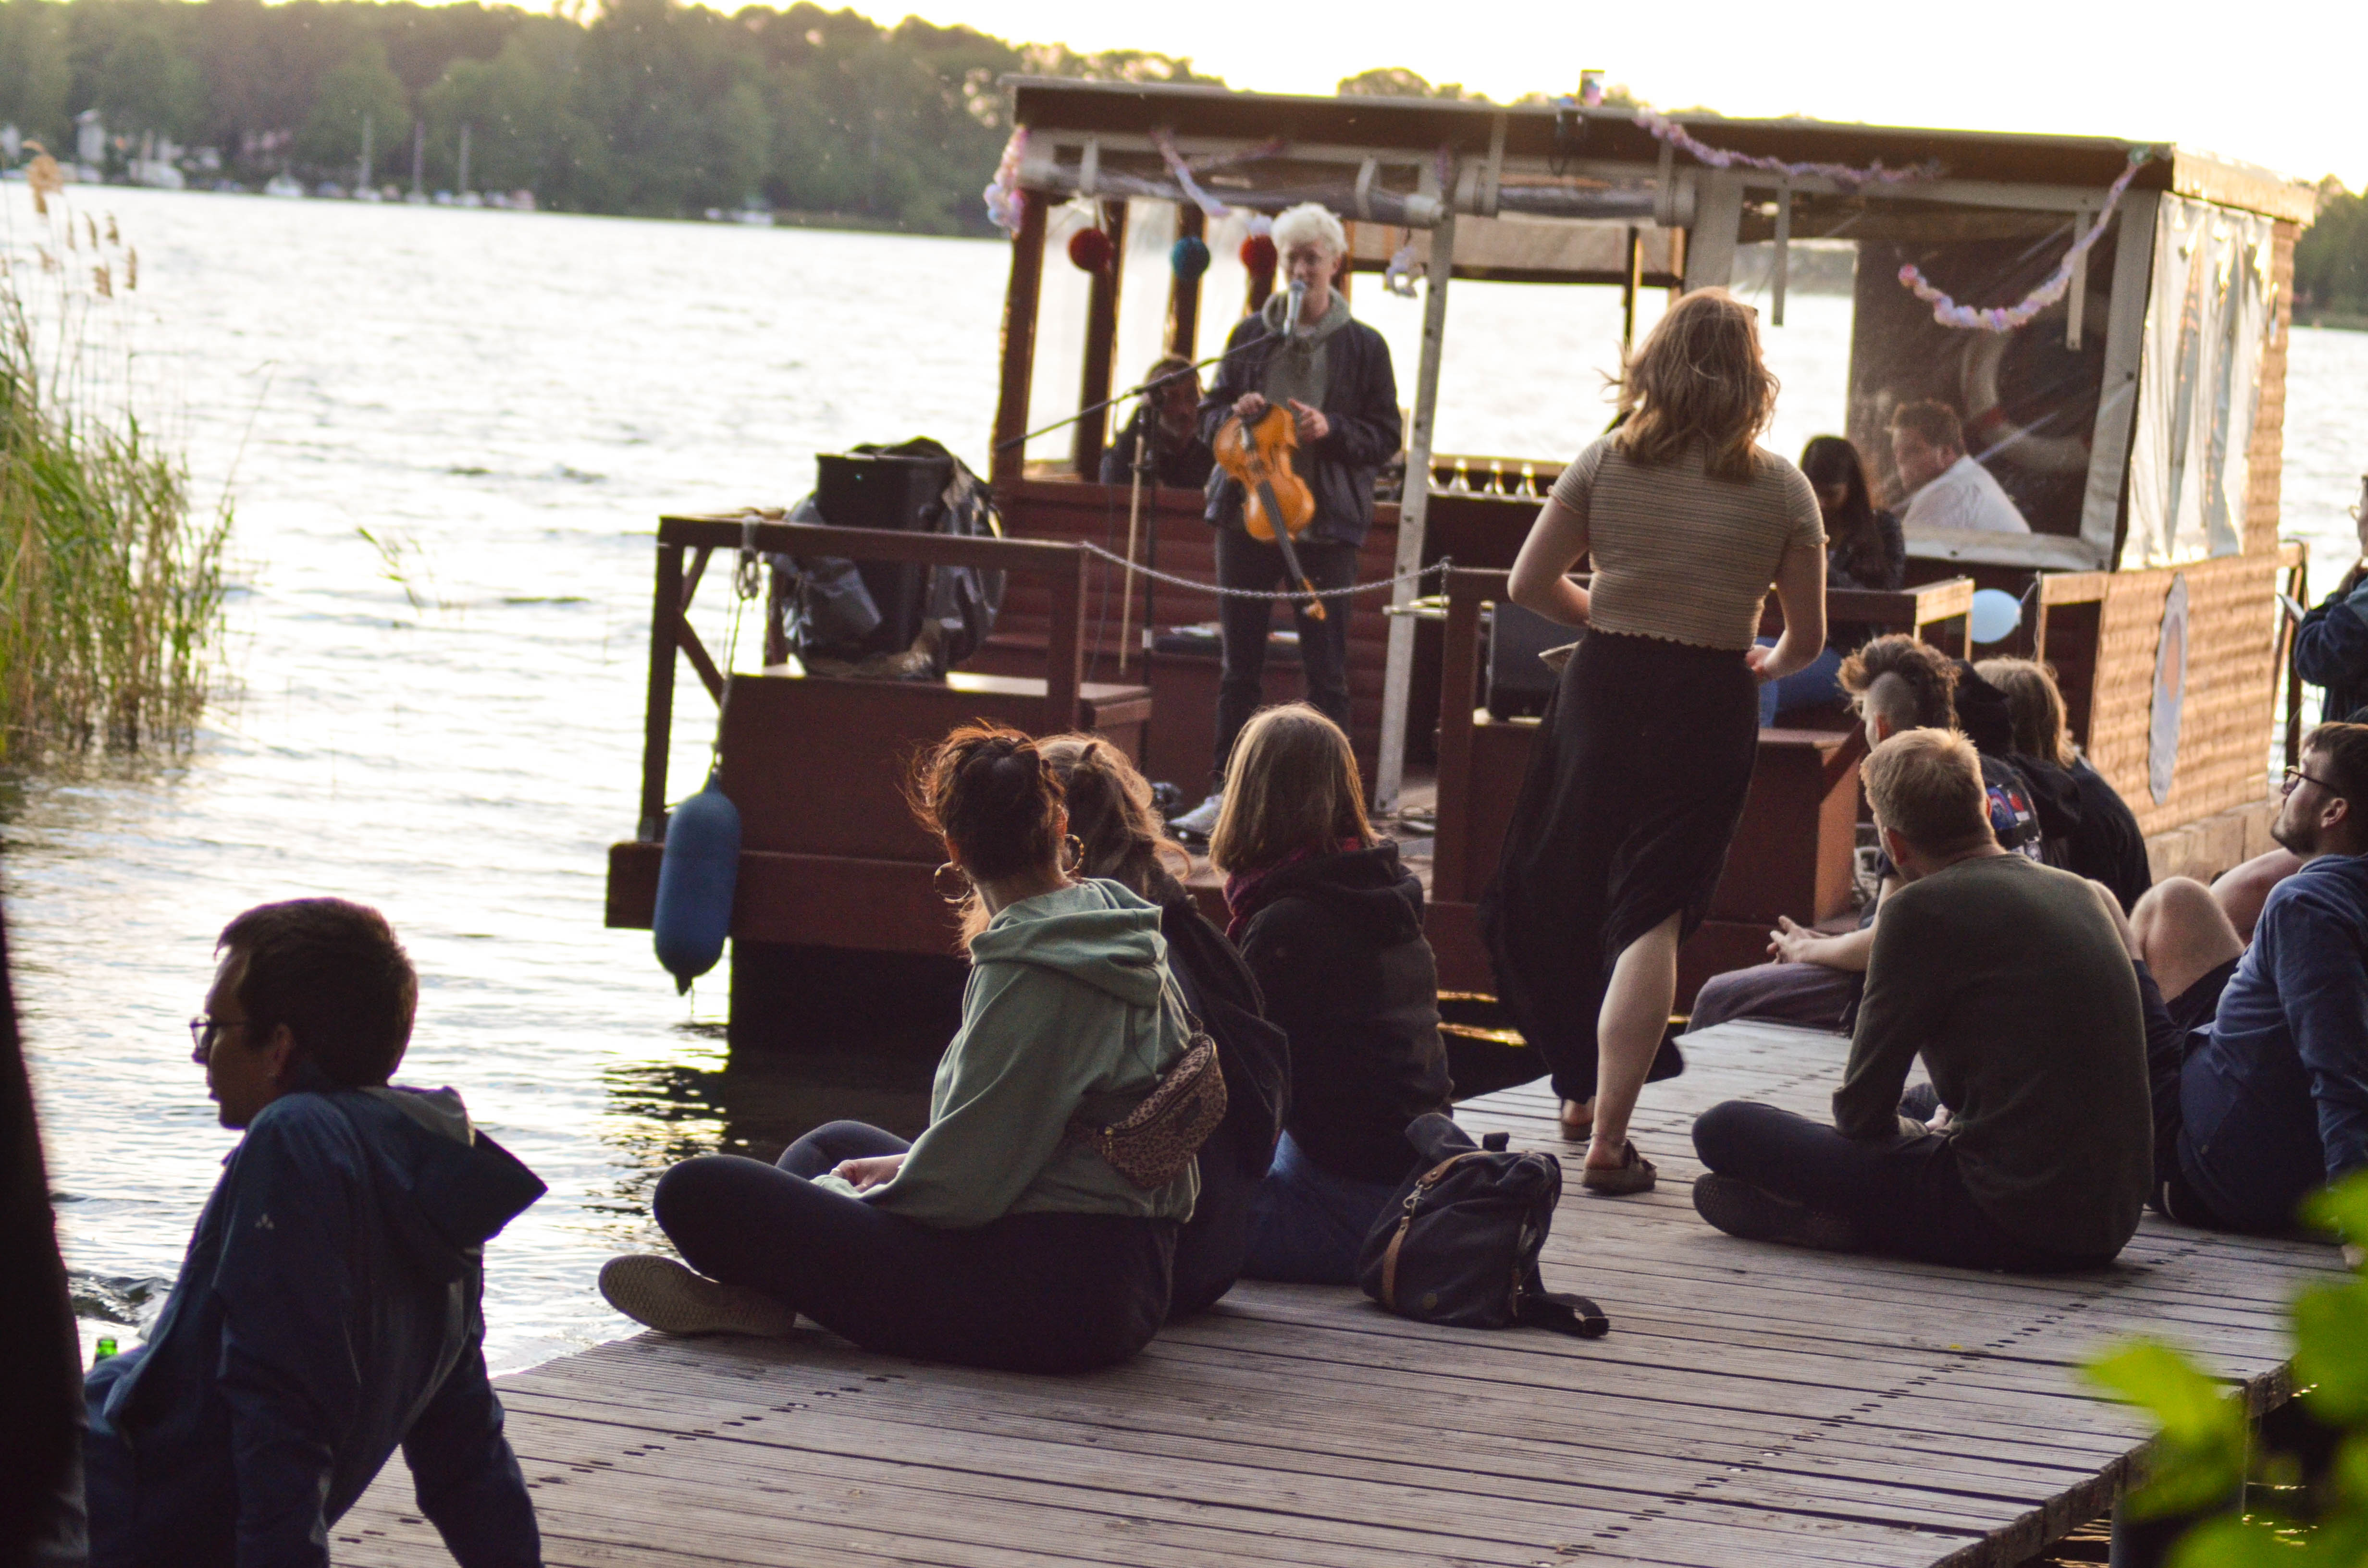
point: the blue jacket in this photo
(2332, 649)
(329, 1309)
(2274, 1101)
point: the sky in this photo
(2280, 83)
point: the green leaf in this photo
(2342, 1209)
(2331, 1350)
(2195, 1410)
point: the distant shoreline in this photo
(2341, 321)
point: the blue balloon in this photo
(695, 882)
(1189, 257)
(1995, 616)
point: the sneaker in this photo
(1736, 1207)
(659, 1293)
(1202, 819)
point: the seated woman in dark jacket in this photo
(1111, 815)
(1864, 548)
(1332, 926)
(2086, 826)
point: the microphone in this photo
(1291, 309)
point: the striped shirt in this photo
(1680, 555)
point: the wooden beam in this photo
(1629, 288)
(1065, 651)
(657, 723)
(1091, 433)
(1414, 508)
(1020, 302)
(1718, 218)
(1459, 671)
(700, 660)
(1183, 297)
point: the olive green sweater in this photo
(1063, 1009)
(2010, 980)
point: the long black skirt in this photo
(1633, 794)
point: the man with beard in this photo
(2259, 1061)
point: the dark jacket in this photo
(1882, 570)
(1223, 995)
(1361, 399)
(329, 1310)
(2331, 648)
(1337, 944)
(2274, 1100)
(2107, 844)
(1185, 467)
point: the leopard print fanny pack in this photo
(1155, 1142)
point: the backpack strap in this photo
(1574, 1315)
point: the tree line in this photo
(640, 106)
(2331, 259)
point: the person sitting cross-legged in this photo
(2011, 982)
(2260, 1084)
(1815, 979)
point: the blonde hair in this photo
(1310, 223)
(2034, 704)
(1291, 785)
(1926, 785)
(1698, 377)
(1111, 815)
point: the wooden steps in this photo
(1752, 1405)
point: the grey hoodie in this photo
(1063, 1008)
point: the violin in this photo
(1276, 502)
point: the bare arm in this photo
(1557, 540)
(1801, 593)
(1805, 944)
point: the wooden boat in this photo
(2138, 423)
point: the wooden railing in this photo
(1063, 565)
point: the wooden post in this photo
(1450, 880)
(1784, 253)
(1718, 221)
(1414, 506)
(1009, 458)
(1101, 346)
(1183, 298)
(1065, 645)
(658, 726)
(1634, 281)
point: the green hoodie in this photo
(1063, 1009)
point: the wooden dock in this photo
(1752, 1405)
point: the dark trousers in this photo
(1028, 1293)
(1255, 565)
(1903, 1194)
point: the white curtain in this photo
(2208, 314)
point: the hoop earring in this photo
(1073, 852)
(961, 878)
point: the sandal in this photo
(1574, 1130)
(1633, 1174)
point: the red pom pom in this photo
(1089, 250)
(1257, 255)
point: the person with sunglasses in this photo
(330, 1307)
(2259, 1056)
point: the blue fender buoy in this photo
(696, 876)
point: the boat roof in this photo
(1423, 126)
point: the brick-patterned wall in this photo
(2264, 464)
(2224, 738)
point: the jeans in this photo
(1813, 686)
(1307, 1225)
(1903, 1194)
(1033, 1292)
(1811, 995)
(1246, 562)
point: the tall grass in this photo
(110, 587)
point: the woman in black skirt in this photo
(1644, 755)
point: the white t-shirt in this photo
(1964, 496)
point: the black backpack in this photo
(1459, 1245)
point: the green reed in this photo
(111, 585)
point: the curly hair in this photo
(1929, 678)
(1698, 376)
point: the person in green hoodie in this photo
(994, 1239)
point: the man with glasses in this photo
(2259, 1058)
(329, 1308)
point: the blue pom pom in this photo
(1189, 257)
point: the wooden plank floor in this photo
(1752, 1405)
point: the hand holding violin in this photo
(1249, 407)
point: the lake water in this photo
(505, 403)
